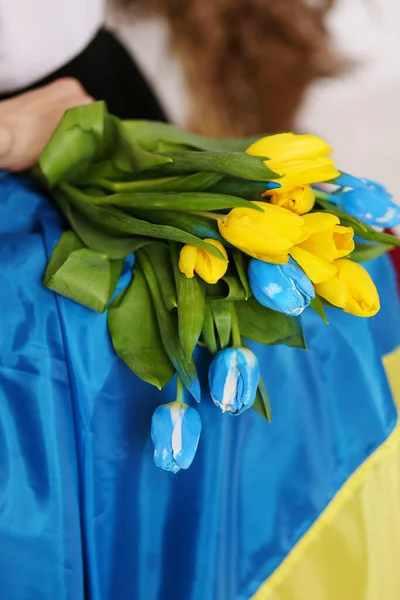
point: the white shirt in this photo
(39, 36)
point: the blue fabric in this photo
(84, 512)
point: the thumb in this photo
(6, 143)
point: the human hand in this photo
(28, 121)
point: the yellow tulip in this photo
(327, 241)
(300, 200)
(209, 267)
(269, 235)
(351, 289)
(300, 159)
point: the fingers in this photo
(6, 143)
(63, 93)
(28, 121)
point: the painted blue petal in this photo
(272, 185)
(233, 378)
(346, 180)
(175, 431)
(372, 205)
(284, 288)
(190, 431)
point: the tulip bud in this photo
(351, 289)
(284, 288)
(299, 200)
(300, 159)
(327, 241)
(209, 267)
(269, 235)
(371, 204)
(175, 431)
(233, 376)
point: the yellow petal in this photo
(327, 240)
(272, 232)
(187, 260)
(334, 291)
(284, 146)
(361, 288)
(352, 289)
(299, 159)
(320, 221)
(300, 200)
(210, 267)
(317, 269)
(344, 240)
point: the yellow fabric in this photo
(352, 552)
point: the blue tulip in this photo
(372, 204)
(284, 288)
(233, 376)
(175, 431)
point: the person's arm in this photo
(27, 121)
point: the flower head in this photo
(300, 159)
(299, 200)
(351, 289)
(209, 267)
(269, 235)
(233, 377)
(284, 288)
(327, 241)
(175, 431)
(372, 204)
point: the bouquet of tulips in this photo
(225, 239)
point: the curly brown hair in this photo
(247, 62)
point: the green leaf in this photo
(68, 243)
(222, 314)
(233, 164)
(262, 403)
(94, 238)
(168, 326)
(196, 182)
(175, 201)
(208, 331)
(267, 326)
(149, 134)
(251, 190)
(198, 226)
(191, 305)
(241, 267)
(227, 288)
(365, 252)
(115, 221)
(85, 276)
(132, 323)
(318, 307)
(160, 259)
(74, 144)
(130, 156)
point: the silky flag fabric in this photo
(86, 515)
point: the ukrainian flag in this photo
(306, 508)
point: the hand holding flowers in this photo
(233, 240)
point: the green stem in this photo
(321, 195)
(208, 215)
(180, 390)
(236, 337)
